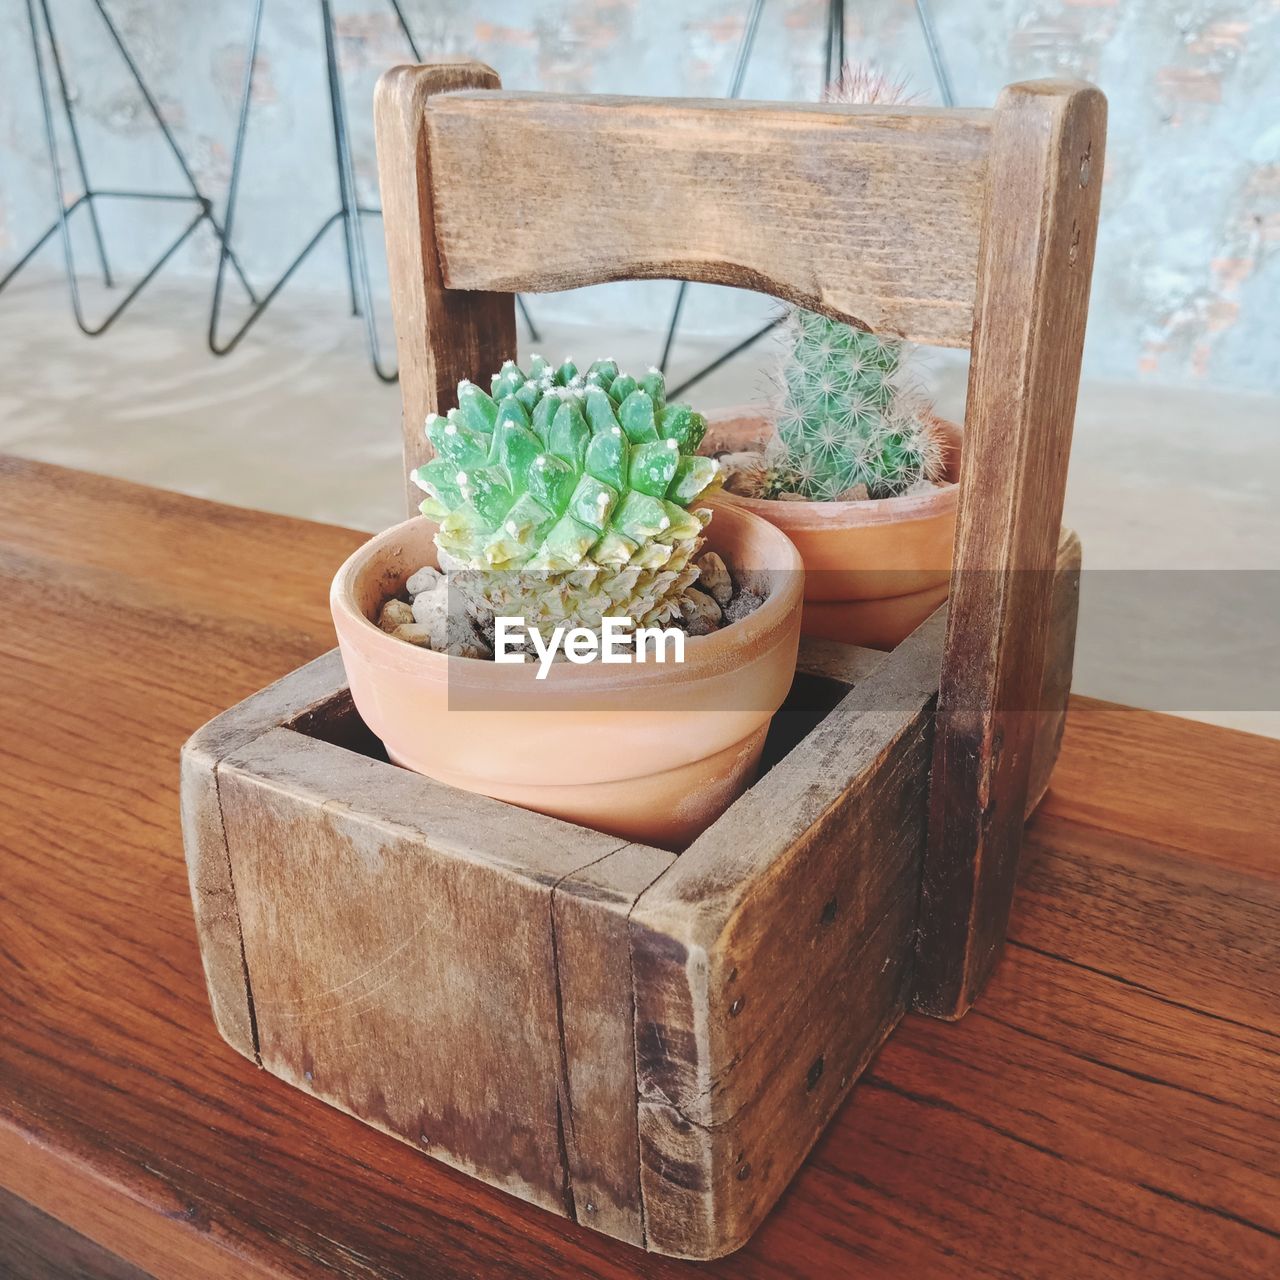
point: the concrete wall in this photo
(1188, 282)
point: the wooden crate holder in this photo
(644, 1042)
(647, 1043)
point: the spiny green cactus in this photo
(844, 422)
(566, 495)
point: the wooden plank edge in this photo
(673, 947)
(590, 909)
(130, 1211)
(1059, 661)
(1035, 266)
(209, 873)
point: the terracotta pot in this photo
(649, 752)
(874, 570)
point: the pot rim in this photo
(705, 656)
(813, 514)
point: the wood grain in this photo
(787, 199)
(1035, 266)
(413, 984)
(593, 965)
(1168, 760)
(830, 660)
(442, 335)
(213, 894)
(1086, 1117)
(425, 910)
(1059, 661)
(34, 1246)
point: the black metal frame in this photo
(90, 193)
(833, 63)
(349, 213)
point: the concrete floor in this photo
(1173, 492)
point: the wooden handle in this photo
(877, 215)
(442, 335)
(1035, 263)
(868, 214)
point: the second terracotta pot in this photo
(653, 753)
(874, 570)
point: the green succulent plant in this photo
(845, 422)
(565, 496)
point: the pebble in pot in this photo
(712, 601)
(700, 613)
(395, 614)
(713, 578)
(428, 621)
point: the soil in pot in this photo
(652, 753)
(875, 569)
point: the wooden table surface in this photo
(1111, 1106)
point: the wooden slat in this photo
(869, 214)
(593, 967)
(1033, 292)
(213, 894)
(829, 659)
(591, 975)
(413, 984)
(442, 336)
(774, 957)
(1059, 660)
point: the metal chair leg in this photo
(350, 212)
(41, 17)
(945, 91)
(74, 132)
(166, 133)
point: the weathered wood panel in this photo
(398, 938)
(785, 198)
(775, 956)
(1059, 661)
(593, 966)
(213, 894)
(1033, 290)
(830, 660)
